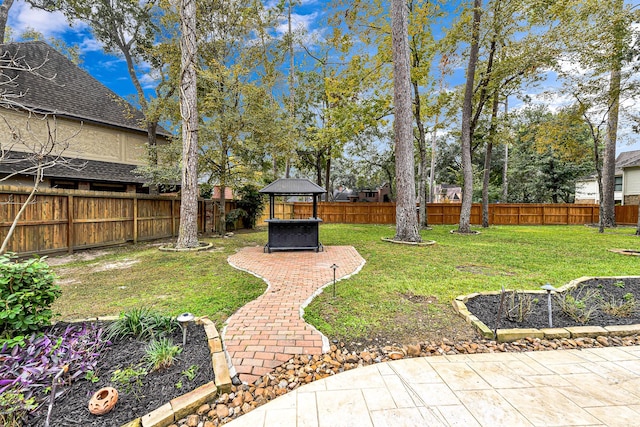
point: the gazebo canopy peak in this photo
(292, 187)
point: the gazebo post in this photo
(315, 206)
(272, 203)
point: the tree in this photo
(467, 130)
(4, 15)
(406, 221)
(188, 232)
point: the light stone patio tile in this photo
(342, 408)
(547, 358)
(553, 380)
(569, 369)
(434, 394)
(432, 416)
(384, 369)
(615, 416)
(367, 377)
(612, 354)
(286, 401)
(399, 392)
(611, 371)
(415, 371)
(460, 376)
(511, 374)
(635, 408)
(254, 418)
(441, 358)
(280, 417)
(533, 367)
(458, 358)
(312, 387)
(410, 417)
(458, 416)
(493, 357)
(545, 406)
(490, 409)
(378, 399)
(631, 365)
(594, 387)
(307, 410)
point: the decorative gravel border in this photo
(508, 335)
(400, 242)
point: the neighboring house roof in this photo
(627, 159)
(292, 186)
(86, 170)
(58, 86)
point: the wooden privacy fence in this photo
(449, 213)
(67, 220)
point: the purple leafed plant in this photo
(29, 370)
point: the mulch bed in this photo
(485, 308)
(158, 387)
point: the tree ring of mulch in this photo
(485, 306)
(158, 387)
(400, 242)
(472, 233)
(203, 246)
(631, 252)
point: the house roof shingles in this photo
(58, 86)
(75, 169)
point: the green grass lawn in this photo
(403, 293)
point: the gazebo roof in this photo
(292, 187)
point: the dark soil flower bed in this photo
(485, 307)
(158, 388)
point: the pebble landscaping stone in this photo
(303, 369)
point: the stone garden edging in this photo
(508, 335)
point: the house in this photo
(106, 136)
(627, 182)
(379, 194)
(447, 193)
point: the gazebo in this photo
(293, 234)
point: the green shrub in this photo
(142, 323)
(579, 303)
(624, 308)
(252, 202)
(129, 379)
(27, 291)
(14, 407)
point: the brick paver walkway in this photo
(269, 330)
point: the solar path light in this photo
(549, 288)
(334, 267)
(184, 320)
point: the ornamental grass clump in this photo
(142, 323)
(580, 304)
(28, 369)
(27, 291)
(617, 308)
(161, 354)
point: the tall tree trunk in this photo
(467, 191)
(422, 151)
(188, 233)
(406, 220)
(487, 163)
(607, 203)
(327, 176)
(505, 167)
(4, 15)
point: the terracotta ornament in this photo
(103, 401)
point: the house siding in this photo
(86, 141)
(631, 182)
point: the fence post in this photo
(173, 218)
(70, 236)
(135, 219)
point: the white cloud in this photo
(298, 23)
(91, 45)
(149, 80)
(22, 17)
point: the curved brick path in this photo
(269, 330)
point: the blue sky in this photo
(111, 69)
